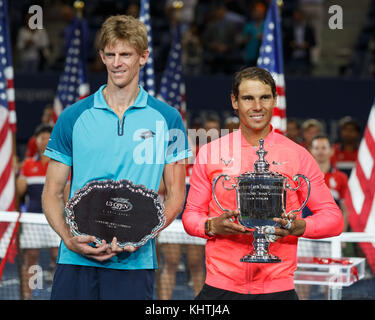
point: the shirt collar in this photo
(268, 140)
(101, 103)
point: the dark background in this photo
(327, 99)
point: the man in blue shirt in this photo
(119, 132)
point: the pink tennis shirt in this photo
(233, 155)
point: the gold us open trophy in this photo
(261, 196)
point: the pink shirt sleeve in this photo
(327, 220)
(200, 193)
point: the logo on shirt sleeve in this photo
(147, 134)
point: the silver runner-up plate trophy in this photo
(261, 196)
(107, 209)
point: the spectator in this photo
(346, 150)
(221, 48)
(310, 128)
(212, 127)
(192, 51)
(293, 130)
(47, 118)
(314, 13)
(33, 46)
(30, 183)
(336, 180)
(186, 12)
(133, 10)
(231, 124)
(299, 39)
(253, 32)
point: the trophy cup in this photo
(107, 209)
(260, 197)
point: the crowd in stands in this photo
(362, 60)
(218, 36)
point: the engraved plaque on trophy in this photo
(107, 209)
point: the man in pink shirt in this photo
(253, 99)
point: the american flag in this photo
(7, 122)
(360, 199)
(172, 88)
(146, 76)
(73, 83)
(271, 59)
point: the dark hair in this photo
(42, 128)
(322, 136)
(351, 121)
(213, 117)
(253, 73)
(295, 121)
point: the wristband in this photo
(208, 227)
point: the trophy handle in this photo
(295, 178)
(226, 178)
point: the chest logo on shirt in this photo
(34, 169)
(332, 182)
(279, 163)
(226, 162)
(147, 134)
(119, 204)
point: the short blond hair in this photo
(311, 123)
(125, 28)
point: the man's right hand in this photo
(101, 252)
(80, 244)
(225, 225)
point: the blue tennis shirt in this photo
(90, 137)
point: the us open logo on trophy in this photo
(119, 204)
(261, 196)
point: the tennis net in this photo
(28, 274)
(28, 251)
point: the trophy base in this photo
(253, 258)
(260, 254)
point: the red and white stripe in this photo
(9, 76)
(7, 186)
(360, 198)
(7, 127)
(8, 122)
(278, 120)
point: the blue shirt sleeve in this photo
(59, 146)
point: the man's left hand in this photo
(289, 225)
(116, 249)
